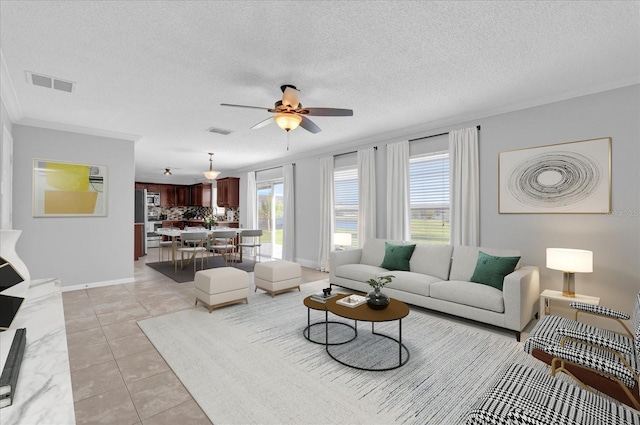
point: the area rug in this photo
(250, 364)
(187, 274)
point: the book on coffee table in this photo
(352, 300)
(321, 298)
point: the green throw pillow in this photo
(491, 270)
(396, 257)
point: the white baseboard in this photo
(97, 284)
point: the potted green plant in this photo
(376, 299)
(210, 221)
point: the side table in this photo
(549, 294)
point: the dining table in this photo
(174, 234)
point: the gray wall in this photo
(614, 239)
(79, 250)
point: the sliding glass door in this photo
(270, 217)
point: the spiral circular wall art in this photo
(554, 179)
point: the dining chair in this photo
(250, 238)
(192, 243)
(164, 245)
(223, 243)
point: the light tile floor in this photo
(117, 375)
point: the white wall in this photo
(6, 168)
(614, 239)
(79, 250)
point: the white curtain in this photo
(288, 243)
(398, 224)
(252, 211)
(366, 195)
(464, 183)
(326, 212)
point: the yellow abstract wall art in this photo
(68, 189)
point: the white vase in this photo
(8, 239)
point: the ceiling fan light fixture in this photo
(288, 121)
(167, 172)
(210, 174)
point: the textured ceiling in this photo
(159, 70)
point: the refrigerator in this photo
(141, 213)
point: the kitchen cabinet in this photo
(167, 195)
(173, 223)
(155, 188)
(201, 195)
(229, 192)
(138, 240)
(141, 185)
(182, 196)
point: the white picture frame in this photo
(573, 177)
(68, 189)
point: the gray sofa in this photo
(439, 280)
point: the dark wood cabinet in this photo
(228, 192)
(155, 188)
(201, 195)
(198, 195)
(167, 195)
(182, 196)
(173, 223)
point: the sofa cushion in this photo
(414, 283)
(360, 272)
(468, 293)
(491, 270)
(465, 258)
(396, 257)
(431, 259)
(373, 251)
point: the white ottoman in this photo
(221, 286)
(277, 276)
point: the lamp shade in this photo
(570, 260)
(288, 121)
(342, 239)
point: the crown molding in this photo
(78, 129)
(8, 92)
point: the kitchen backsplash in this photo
(177, 213)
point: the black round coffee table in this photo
(396, 310)
(315, 305)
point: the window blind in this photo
(429, 197)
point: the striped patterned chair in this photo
(523, 395)
(599, 358)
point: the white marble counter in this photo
(43, 392)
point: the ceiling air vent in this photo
(50, 82)
(219, 131)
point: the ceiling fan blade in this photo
(262, 123)
(245, 106)
(291, 97)
(329, 112)
(309, 125)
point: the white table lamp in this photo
(342, 240)
(569, 261)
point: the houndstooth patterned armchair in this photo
(523, 395)
(602, 359)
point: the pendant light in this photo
(210, 174)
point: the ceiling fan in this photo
(289, 113)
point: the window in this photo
(345, 202)
(270, 213)
(429, 197)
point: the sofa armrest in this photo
(339, 258)
(521, 292)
